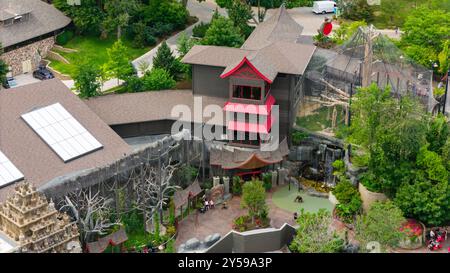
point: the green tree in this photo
(87, 17)
(444, 58)
(118, 14)
(438, 133)
(426, 197)
(425, 32)
(158, 79)
(315, 235)
(349, 200)
(391, 131)
(165, 12)
(346, 30)
(184, 44)
(118, 65)
(381, 224)
(358, 10)
(222, 32)
(86, 80)
(254, 198)
(164, 59)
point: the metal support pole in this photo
(446, 92)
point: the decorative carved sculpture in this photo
(31, 221)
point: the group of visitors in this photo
(437, 237)
(208, 204)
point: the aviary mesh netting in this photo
(368, 57)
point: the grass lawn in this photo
(91, 48)
(284, 198)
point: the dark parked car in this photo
(43, 74)
(9, 82)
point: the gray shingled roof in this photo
(272, 48)
(146, 106)
(30, 154)
(279, 27)
(44, 18)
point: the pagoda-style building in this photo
(33, 223)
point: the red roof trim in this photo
(252, 162)
(246, 61)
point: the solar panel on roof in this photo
(62, 132)
(8, 172)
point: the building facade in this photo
(27, 32)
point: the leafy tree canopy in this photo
(315, 235)
(222, 32)
(86, 80)
(381, 224)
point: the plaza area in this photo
(281, 203)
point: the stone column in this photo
(216, 181)
(282, 175)
(274, 179)
(226, 184)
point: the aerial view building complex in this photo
(224, 126)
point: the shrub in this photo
(237, 185)
(254, 198)
(297, 137)
(158, 79)
(133, 221)
(63, 38)
(315, 235)
(200, 29)
(170, 231)
(133, 84)
(267, 180)
(382, 224)
(349, 200)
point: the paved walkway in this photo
(220, 220)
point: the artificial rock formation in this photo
(35, 225)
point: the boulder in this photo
(192, 244)
(211, 239)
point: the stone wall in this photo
(368, 197)
(34, 52)
(255, 241)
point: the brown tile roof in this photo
(30, 154)
(44, 18)
(145, 106)
(271, 48)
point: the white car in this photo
(323, 7)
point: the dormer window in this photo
(247, 92)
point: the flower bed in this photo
(414, 234)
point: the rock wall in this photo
(368, 197)
(34, 52)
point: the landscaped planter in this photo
(417, 229)
(369, 197)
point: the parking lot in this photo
(25, 79)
